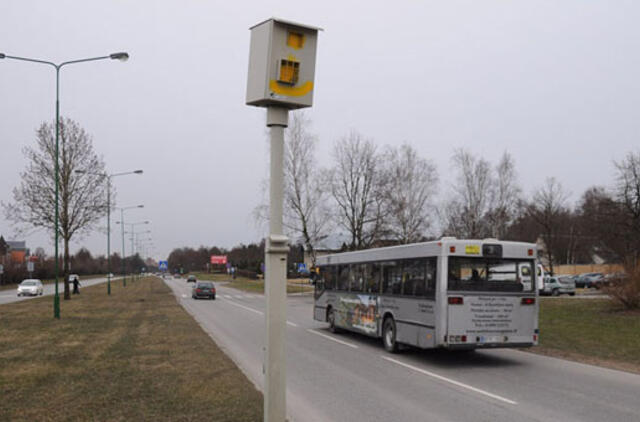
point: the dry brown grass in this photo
(590, 331)
(136, 355)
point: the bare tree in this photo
(627, 194)
(505, 201)
(549, 211)
(465, 213)
(82, 196)
(305, 211)
(356, 189)
(410, 185)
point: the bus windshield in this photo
(490, 274)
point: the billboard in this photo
(218, 259)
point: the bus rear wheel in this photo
(389, 335)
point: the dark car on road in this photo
(204, 289)
(191, 279)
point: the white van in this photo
(541, 275)
(524, 274)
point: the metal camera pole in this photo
(282, 58)
(275, 286)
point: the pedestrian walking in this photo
(76, 285)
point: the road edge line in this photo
(451, 381)
(331, 338)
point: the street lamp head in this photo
(140, 206)
(2, 56)
(138, 172)
(80, 171)
(123, 57)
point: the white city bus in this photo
(451, 293)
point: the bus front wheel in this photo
(389, 335)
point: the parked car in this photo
(558, 285)
(592, 279)
(588, 280)
(204, 289)
(191, 279)
(30, 287)
(609, 279)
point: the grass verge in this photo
(591, 331)
(252, 286)
(134, 355)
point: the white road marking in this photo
(332, 339)
(257, 311)
(239, 296)
(245, 307)
(454, 382)
(184, 295)
(227, 296)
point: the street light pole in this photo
(122, 210)
(124, 274)
(109, 236)
(109, 177)
(114, 56)
(132, 233)
(133, 237)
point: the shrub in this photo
(625, 290)
(248, 274)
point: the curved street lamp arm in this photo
(25, 59)
(92, 59)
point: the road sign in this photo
(1, 269)
(30, 266)
(163, 265)
(302, 267)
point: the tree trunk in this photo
(65, 270)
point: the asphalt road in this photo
(8, 296)
(348, 377)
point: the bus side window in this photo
(375, 276)
(414, 277)
(396, 279)
(343, 277)
(327, 274)
(430, 278)
(390, 279)
(356, 277)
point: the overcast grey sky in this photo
(554, 83)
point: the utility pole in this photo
(281, 73)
